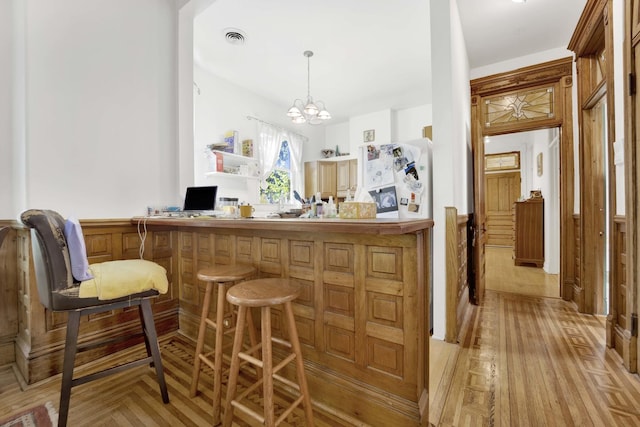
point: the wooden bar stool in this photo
(223, 276)
(266, 293)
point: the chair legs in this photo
(71, 349)
(151, 338)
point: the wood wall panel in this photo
(385, 356)
(457, 271)
(619, 320)
(301, 253)
(385, 309)
(384, 262)
(338, 257)
(339, 300)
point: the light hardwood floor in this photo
(529, 359)
(132, 398)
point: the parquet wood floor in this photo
(534, 361)
(132, 398)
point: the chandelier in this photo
(311, 112)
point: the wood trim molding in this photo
(591, 23)
(521, 78)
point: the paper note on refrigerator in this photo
(379, 172)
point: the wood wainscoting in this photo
(457, 270)
(620, 320)
(8, 296)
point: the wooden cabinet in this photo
(529, 232)
(346, 177)
(320, 176)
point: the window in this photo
(277, 186)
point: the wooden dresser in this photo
(529, 232)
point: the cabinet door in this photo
(310, 178)
(327, 179)
(353, 175)
(343, 178)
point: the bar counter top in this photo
(334, 225)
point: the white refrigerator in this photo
(397, 177)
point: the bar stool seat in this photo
(266, 293)
(223, 276)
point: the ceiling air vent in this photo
(234, 36)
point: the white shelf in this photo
(231, 159)
(231, 165)
(230, 175)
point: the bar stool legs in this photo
(221, 276)
(265, 293)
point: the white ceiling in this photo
(369, 55)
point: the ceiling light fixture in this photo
(519, 1)
(311, 112)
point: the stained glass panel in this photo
(528, 105)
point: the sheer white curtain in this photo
(268, 149)
(295, 163)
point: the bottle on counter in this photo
(330, 210)
(312, 202)
(319, 206)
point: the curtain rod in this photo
(277, 127)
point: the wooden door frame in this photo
(557, 74)
(629, 335)
(593, 35)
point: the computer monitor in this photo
(200, 199)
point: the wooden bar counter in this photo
(363, 314)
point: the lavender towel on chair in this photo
(77, 250)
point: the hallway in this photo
(529, 360)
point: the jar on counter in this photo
(229, 205)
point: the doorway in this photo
(531, 98)
(536, 171)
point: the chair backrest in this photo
(50, 254)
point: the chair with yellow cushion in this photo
(116, 285)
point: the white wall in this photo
(97, 107)
(521, 61)
(451, 124)
(7, 40)
(410, 121)
(618, 82)
(336, 134)
(222, 106)
(380, 121)
(390, 126)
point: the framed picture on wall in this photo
(369, 135)
(539, 164)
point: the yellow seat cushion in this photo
(115, 279)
